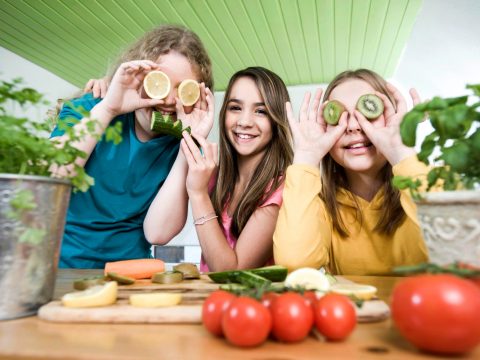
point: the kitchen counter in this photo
(33, 338)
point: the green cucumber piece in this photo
(167, 277)
(233, 287)
(273, 273)
(164, 124)
(120, 279)
(252, 280)
(83, 284)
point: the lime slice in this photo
(155, 299)
(188, 92)
(157, 84)
(309, 278)
(100, 295)
(363, 292)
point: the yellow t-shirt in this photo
(304, 234)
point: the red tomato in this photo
(268, 297)
(311, 298)
(474, 279)
(213, 308)
(292, 317)
(246, 322)
(438, 313)
(335, 316)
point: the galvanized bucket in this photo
(30, 241)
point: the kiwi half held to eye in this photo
(332, 112)
(370, 105)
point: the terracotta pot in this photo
(450, 224)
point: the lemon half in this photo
(188, 92)
(100, 295)
(309, 278)
(360, 291)
(155, 299)
(157, 84)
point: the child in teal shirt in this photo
(106, 223)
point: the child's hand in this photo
(98, 87)
(123, 95)
(386, 136)
(200, 119)
(312, 136)
(200, 166)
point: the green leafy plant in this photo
(453, 146)
(25, 149)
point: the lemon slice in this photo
(309, 278)
(157, 84)
(363, 292)
(155, 299)
(100, 295)
(188, 92)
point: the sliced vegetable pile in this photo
(103, 290)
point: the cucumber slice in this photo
(164, 124)
(83, 284)
(273, 273)
(252, 280)
(167, 277)
(189, 270)
(120, 279)
(233, 287)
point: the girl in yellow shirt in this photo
(348, 217)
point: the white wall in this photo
(51, 86)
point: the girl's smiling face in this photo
(354, 151)
(247, 123)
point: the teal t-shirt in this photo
(106, 222)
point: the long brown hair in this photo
(165, 38)
(278, 155)
(334, 177)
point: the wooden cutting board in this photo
(194, 292)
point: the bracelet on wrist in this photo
(203, 219)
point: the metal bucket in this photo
(30, 242)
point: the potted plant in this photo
(450, 219)
(33, 202)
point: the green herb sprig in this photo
(25, 149)
(456, 137)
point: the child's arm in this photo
(122, 97)
(303, 235)
(254, 246)
(167, 214)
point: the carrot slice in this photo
(137, 269)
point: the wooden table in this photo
(32, 338)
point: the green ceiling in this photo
(304, 41)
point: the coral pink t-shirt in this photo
(274, 199)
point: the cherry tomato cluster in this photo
(288, 317)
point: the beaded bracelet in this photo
(203, 219)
